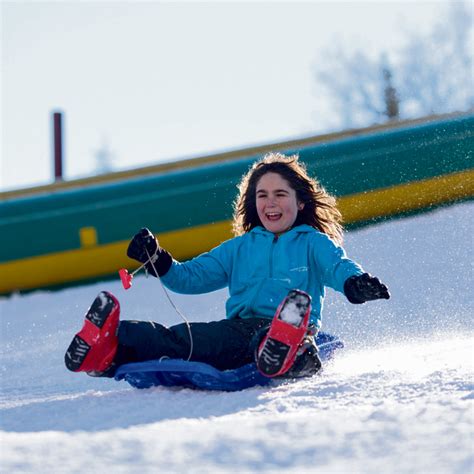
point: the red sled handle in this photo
(126, 278)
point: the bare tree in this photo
(361, 89)
(436, 71)
(104, 158)
(433, 74)
(391, 99)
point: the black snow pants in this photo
(225, 344)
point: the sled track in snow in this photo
(398, 399)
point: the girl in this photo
(288, 236)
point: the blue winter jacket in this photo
(260, 268)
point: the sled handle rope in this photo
(152, 260)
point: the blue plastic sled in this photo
(177, 372)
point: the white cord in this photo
(152, 260)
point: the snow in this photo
(293, 312)
(398, 399)
(103, 300)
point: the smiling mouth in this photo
(273, 216)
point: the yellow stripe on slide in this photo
(406, 197)
(93, 260)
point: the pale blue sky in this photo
(157, 81)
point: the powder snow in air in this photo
(398, 399)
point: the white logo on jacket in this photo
(299, 269)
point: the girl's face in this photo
(277, 205)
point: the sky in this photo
(146, 82)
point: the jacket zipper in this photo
(274, 241)
(260, 284)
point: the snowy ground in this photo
(398, 399)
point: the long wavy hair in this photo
(319, 211)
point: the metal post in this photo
(58, 146)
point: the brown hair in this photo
(320, 210)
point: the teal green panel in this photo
(43, 224)
(390, 158)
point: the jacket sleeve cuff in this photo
(162, 264)
(351, 292)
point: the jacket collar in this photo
(303, 228)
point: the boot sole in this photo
(272, 356)
(76, 353)
(100, 309)
(278, 350)
(97, 314)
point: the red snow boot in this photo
(307, 362)
(280, 346)
(94, 346)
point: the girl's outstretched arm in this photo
(332, 263)
(202, 274)
(345, 275)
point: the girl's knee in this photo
(133, 333)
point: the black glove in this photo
(361, 288)
(144, 241)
